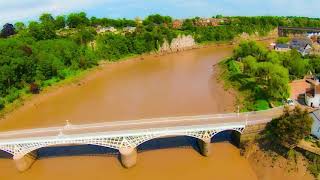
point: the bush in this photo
(289, 128)
(261, 104)
(314, 163)
(13, 95)
(2, 104)
(34, 88)
(233, 67)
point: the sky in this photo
(26, 10)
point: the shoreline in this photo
(84, 77)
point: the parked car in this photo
(289, 102)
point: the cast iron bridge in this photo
(125, 136)
(282, 29)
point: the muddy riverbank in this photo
(182, 83)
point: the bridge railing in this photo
(248, 118)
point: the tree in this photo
(247, 48)
(283, 40)
(274, 78)
(84, 35)
(46, 18)
(60, 22)
(19, 26)
(250, 65)
(42, 31)
(157, 19)
(76, 19)
(290, 128)
(8, 30)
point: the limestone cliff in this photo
(182, 42)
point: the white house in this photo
(315, 129)
(101, 30)
(312, 95)
(129, 29)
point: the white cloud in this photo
(14, 10)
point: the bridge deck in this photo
(141, 126)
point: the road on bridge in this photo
(133, 126)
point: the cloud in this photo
(14, 10)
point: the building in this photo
(312, 95)
(177, 24)
(315, 129)
(282, 47)
(303, 46)
(101, 30)
(209, 21)
(129, 29)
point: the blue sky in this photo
(24, 10)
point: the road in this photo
(143, 125)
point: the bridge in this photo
(281, 29)
(126, 136)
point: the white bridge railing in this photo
(130, 134)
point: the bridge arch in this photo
(37, 146)
(5, 153)
(238, 130)
(200, 135)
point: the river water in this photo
(153, 86)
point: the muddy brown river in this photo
(153, 86)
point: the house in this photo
(129, 29)
(303, 46)
(209, 21)
(282, 47)
(312, 95)
(177, 24)
(315, 129)
(101, 30)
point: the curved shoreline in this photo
(85, 77)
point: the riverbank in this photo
(270, 165)
(155, 86)
(111, 80)
(76, 78)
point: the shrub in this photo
(261, 105)
(2, 104)
(289, 128)
(34, 88)
(13, 95)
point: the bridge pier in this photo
(25, 162)
(204, 145)
(128, 157)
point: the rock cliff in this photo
(182, 42)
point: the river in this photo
(153, 86)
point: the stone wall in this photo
(182, 42)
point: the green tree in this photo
(19, 26)
(46, 19)
(76, 19)
(250, 65)
(283, 40)
(247, 48)
(275, 79)
(60, 22)
(290, 128)
(42, 31)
